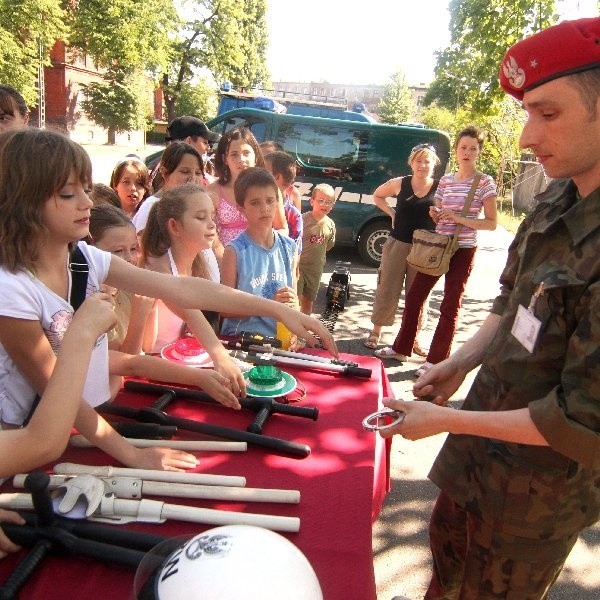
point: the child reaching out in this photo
(318, 238)
(180, 227)
(259, 260)
(112, 231)
(44, 178)
(45, 437)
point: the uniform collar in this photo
(581, 216)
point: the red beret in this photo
(564, 49)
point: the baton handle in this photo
(23, 571)
(358, 372)
(37, 483)
(164, 401)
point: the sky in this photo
(366, 41)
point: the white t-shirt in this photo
(140, 218)
(22, 296)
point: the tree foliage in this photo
(125, 34)
(118, 103)
(480, 33)
(227, 38)
(198, 99)
(501, 152)
(26, 27)
(397, 104)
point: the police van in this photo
(354, 157)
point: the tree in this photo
(226, 38)
(125, 34)
(28, 30)
(397, 104)
(118, 103)
(480, 32)
(198, 99)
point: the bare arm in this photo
(279, 220)
(194, 292)
(141, 308)
(489, 221)
(29, 348)
(46, 435)
(385, 190)
(153, 367)
(424, 419)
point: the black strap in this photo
(79, 275)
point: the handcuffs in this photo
(379, 421)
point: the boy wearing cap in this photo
(193, 131)
(519, 470)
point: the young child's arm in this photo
(153, 367)
(229, 277)
(141, 309)
(195, 292)
(30, 350)
(279, 221)
(45, 437)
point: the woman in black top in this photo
(414, 195)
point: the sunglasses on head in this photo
(423, 147)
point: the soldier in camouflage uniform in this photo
(520, 469)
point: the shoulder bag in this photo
(431, 252)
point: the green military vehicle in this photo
(354, 157)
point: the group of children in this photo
(60, 355)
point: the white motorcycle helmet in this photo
(234, 562)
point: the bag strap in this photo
(79, 275)
(469, 200)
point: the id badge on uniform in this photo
(526, 327)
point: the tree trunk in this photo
(112, 136)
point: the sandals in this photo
(388, 352)
(423, 369)
(419, 351)
(372, 341)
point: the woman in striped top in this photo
(450, 199)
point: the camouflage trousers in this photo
(474, 561)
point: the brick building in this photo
(63, 94)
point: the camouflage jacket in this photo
(530, 491)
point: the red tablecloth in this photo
(342, 484)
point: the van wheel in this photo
(371, 240)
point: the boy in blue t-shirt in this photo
(260, 260)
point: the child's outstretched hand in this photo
(218, 387)
(163, 459)
(306, 328)
(95, 316)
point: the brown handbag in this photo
(431, 252)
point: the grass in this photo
(509, 220)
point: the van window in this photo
(322, 151)
(256, 126)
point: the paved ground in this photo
(400, 542)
